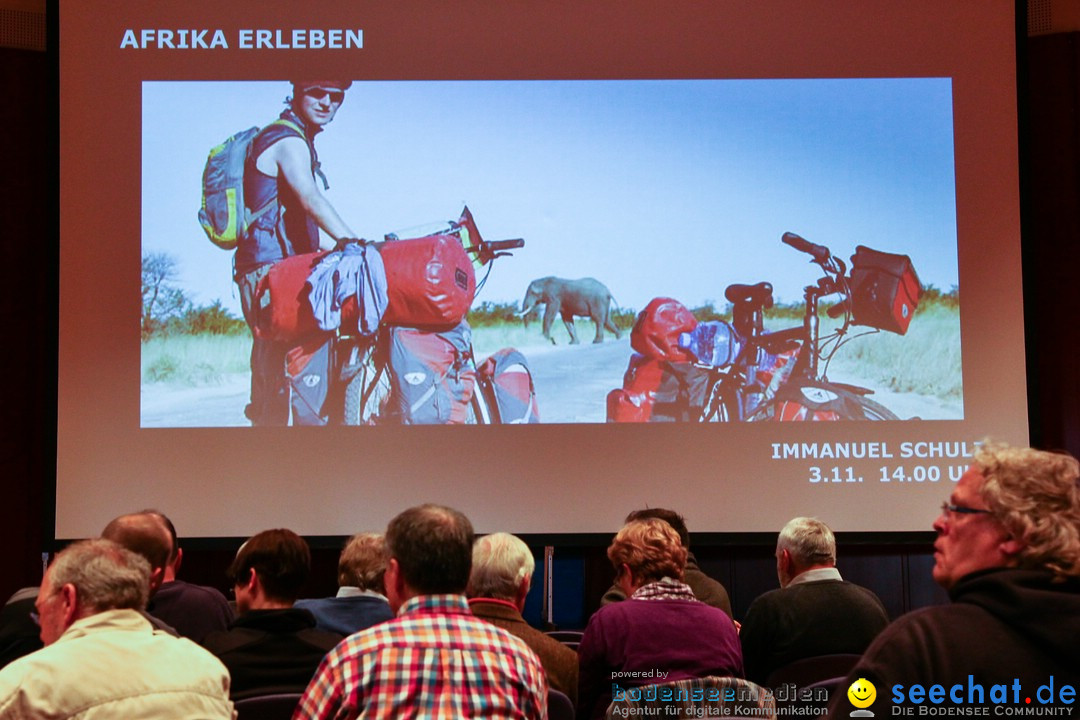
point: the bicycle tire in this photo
(482, 410)
(874, 410)
(365, 393)
(720, 411)
(720, 406)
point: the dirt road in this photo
(572, 383)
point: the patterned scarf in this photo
(664, 589)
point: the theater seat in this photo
(812, 669)
(559, 706)
(569, 638)
(267, 707)
(695, 698)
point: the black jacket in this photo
(271, 651)
(1004, 627)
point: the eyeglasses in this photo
(316, 93)
(947, 507)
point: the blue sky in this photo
(660, 187)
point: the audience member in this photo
(815, 612)
(705, 589)
(434, 659)
(271, 647)
(101, 656)
(361, 598)
(1008, 553)
(143, 533)
(194, 610)
(502, 569)
(139, 533)
(661, 632)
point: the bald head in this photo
(144, 534)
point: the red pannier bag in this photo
(658, 391)
(633, 402)
(431, 381)
(429, 280)
(657, 328)
(884, 290)
(511, 380)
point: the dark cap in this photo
(302, 85)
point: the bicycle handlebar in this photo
(820, 253)
(494, 246)
(839, 308)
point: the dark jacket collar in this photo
(282, 621)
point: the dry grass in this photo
(926, 360)
(194, 359)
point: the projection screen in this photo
(662, 150)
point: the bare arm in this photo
(291, 159)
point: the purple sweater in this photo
(660, 641)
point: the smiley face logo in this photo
(862, 693)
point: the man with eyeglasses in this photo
(1008, 553)
(287, 209)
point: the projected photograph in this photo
(575, 251)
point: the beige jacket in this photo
(115, 665)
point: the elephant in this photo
(585, 297)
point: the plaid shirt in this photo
(435, 660)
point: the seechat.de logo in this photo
(862, 694)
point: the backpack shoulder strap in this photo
(286, 129)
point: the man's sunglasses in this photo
(315, 93)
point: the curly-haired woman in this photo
(661, 632)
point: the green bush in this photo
(489, 314)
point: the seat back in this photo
(812, 669)
(267, 707)
(694, 698)
(569, 638)
(559, 706)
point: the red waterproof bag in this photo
(430, 281)
(657, 328)
(281, 300)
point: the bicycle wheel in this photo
(820, 401)
(365, 395)
(721, 405)
(874, 410)
(482, 409)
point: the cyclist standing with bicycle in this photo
(287, 209)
